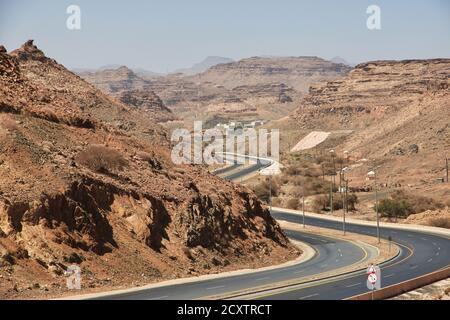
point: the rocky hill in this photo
(295, 72)
(397, 112)
(88, 180)
(249, 89)
(123, 84)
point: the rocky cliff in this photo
(124, 85)
(87, 180)
(248, 89)
(397, 112)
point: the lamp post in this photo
(345, 199)
(270, 193)
(332, 174)
(303, 206)
(374, 174)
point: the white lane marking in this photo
(393, 232)
(216, 287)
(413, 267)
(389, 275)
(437, 253)
(261, 279)
(159, 298)
(353, 285)
(310, 296)
(424, 239)
(300, 271)
(429, 260)
(439, 248)
(339, 250)
(410, 235)
(434, 244)
(324, 265)
(337, 260)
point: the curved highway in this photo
(420, 254)
(330, 254)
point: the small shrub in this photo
(391, 208)
(402, 204)
(293, 203)
(321, 203)
(101, 159)
(262, 189)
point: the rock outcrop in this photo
(89, 180)
(397, 112)
(122, 83)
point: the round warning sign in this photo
(372, 277)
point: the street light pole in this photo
(376, 206)
(270, 192)
(303, 207)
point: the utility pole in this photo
(303, 207)
(332, 175)
(270, 192)
(346, 201)
(376, 206)
(331, 195)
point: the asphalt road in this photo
(330, 254)
(420, 253)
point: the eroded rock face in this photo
(396, 112)
(246, 90)
(145, 217)
(130, 89)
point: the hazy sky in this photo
(165, 35)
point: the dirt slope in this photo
(89, 181)
(396, 113)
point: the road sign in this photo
(371, 269)
(372, 278)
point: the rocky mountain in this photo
(204, 65)
(249, 89)
(295, 72)
(397, 113)
(125, 85)
(88, 180)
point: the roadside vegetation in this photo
(401, 204)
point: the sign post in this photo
(373, 278)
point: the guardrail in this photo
(404, 287)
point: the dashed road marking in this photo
(216, 287)
(353, 285)
(413, 267)
(389, 275)
(429, 260)
(310, 296)
(263, 278)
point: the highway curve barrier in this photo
(403, 287)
